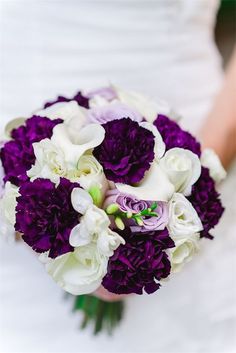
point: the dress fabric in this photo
(164, 48)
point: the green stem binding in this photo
(99, 313)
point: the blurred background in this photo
(225, 31)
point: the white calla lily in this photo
(154, 186)
(183, 168)
(74, 143)
(160, 146)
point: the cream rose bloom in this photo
(91, 173)
(183, 218)
(183, 252)
(211, 161)
(8, 211)
(78, 272)
(50, 162)
(183, 168)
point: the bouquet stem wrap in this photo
(101, 314)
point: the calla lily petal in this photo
(74, 143)
(154, 186)
(160, 146)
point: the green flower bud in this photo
(119, 223)
(112, 208)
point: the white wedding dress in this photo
(164, 48)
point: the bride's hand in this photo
(103, 294)
(219, 131)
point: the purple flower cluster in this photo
(79, 98)
(174, 136)
(17, 155)
(205, 199)
(126, 151)
(139, 264)
(45, 215)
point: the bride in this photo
(165, 49)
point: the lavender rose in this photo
(129, 204)
(112, 111)
(107, 93)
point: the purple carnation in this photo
(126, 151)
(139, 264)
(17, 155)
(45, 215)
(205, 199)
(79, 98)
(174, 136)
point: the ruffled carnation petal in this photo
(45, 215)
(79, 98)
(174, 136)
(17, 155)
(126, 152)
(140, 263)
(205, 199)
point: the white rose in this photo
(50, 162)
(148, 108)
(183, 252)
(79, 272)
(154, 186)
(93, 226)
(75, 142)
(183, 168)
(8, 210)
(183, 218)
(66, 111)
(211, 161)
(91, 173)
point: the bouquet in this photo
(110, 193)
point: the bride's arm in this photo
(219, 131)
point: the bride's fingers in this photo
(103, 294)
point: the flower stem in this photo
(104, 316)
